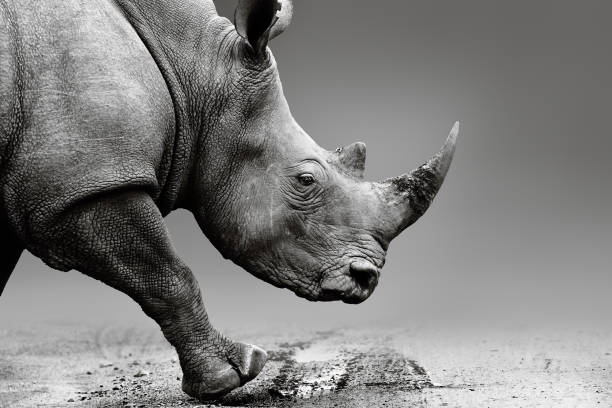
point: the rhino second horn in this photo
(353, 158)
(410, 195)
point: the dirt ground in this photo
(70, 366)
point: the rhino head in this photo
(277, 204)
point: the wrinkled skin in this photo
(113, 114)
(283, 230)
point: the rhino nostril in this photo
(364, 274)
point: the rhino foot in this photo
(216, 377)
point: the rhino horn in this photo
(353, 158)
(407, 197)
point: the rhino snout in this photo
(354, 284)
(365, 274)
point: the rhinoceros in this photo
(113, 113)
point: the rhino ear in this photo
(258, 21)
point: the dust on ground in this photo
(70, 366)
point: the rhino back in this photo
(87, 107)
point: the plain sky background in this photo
(520, 232)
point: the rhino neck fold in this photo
(181, 39)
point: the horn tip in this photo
(451, 140)
(441, 161)
(452, 136)
(456, 127)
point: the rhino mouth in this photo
(353, 284)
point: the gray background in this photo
(521, 231)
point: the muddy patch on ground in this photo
(328, 367)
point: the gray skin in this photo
(115, 113)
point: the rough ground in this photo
(69, 366)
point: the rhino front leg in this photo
(123, 242)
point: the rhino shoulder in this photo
(98, 114)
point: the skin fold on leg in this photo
(122, 240)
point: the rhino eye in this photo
(306, 179)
